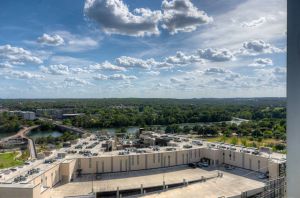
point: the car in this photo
(228, 167)
(13, 169)
(262, 176)
(26, 163)
(187, 146)
(192, 165)
(202, 164)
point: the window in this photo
(258, 164)
(233, 156)
(90, 163)
(154, 158)
(138, 159)
(158, 158)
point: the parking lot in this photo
(235, 181)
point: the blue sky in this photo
(142, 48)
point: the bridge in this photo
(20, 138)
(70, 128)
(63, 127)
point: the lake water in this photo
(37, 134)
(4, 135)
(111, 131)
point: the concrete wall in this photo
(121, 163)
(67, 169)
(14, 192)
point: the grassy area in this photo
(8, 160)
(248, 141)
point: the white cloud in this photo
(76, 43)
(106, 66)
(227, 30)
(259, 46)
(214, 70)
(100, 77)
(17, 55)
(261, 62)
(25, 75)
(79, 70)
(121, 77)
(181, 59)
(216, 55)
(56, 69)
(127, 61)
(52, 40)
(254, 23)
(114, 17)
(182, 16)
(5, 65)
(76, 81)
(114, 77)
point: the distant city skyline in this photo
(142, 48)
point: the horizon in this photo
(271, 97)
(143, 49)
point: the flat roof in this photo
(234, 181)
(276, 157)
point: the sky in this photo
(142, 48)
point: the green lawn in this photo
(8, 160)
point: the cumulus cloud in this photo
(79, 70)
(121, 77)
(254, 23)
(17, 55)
(106, 66)
(216, 55)
(114, 17)
(261, 62)
(76, 81)
(100, 77)
(181, 59)
(55, 69)
(52, 40)
(114, 77)
(259, 46)
(215, 70)
(127, 61)
(182, 16)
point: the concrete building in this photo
(65, 170)
(26, 115)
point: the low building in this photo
(70, 167)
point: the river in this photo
(112, 130)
